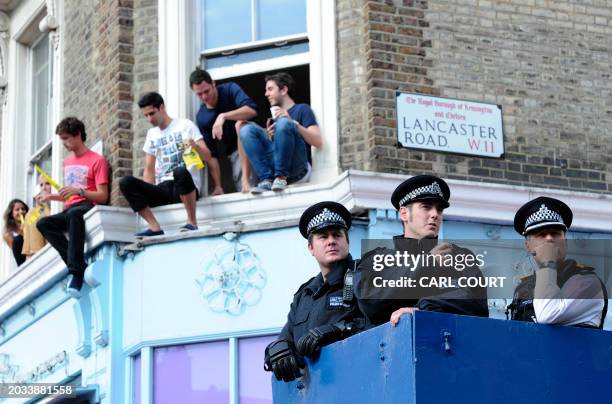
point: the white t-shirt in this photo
(168, 145)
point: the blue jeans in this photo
(284, 156)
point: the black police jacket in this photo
(318, 302)
(378, 303)
(521, 308)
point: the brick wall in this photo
(111, 59)
(146, 66)
(547, 63)
(355, 138)
(80, 72)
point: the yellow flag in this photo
(47, 177)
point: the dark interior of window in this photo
(254, 86)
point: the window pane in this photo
(264, 54)
(280, 18)
(195, 373)
(40, 93)
(226, 22)
(136, 386)
(254, 381)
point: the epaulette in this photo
(584, 267)
(304, 285)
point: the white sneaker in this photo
(279, 185)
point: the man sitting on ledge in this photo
(280, 154)
(85, 185)
(166, 178)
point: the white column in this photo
(176, 55)
(53, 19)
(146, 375)
(323, 85)
(7, 263)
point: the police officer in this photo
(421, 201)
(561, 291)
(323, 309)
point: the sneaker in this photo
(74, 286)
(149, 233)
(188, 227)
(263, 186)
(279, 185)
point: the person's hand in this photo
(440, 252)
(282, 361)
(42, 197)
(280, 112)
(311, 343)
(270, 128)
(67, 192)
(395, 316)
(217, 191)
(546, 252)
(217, 129)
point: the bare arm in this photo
(8, 239)
(53, 197)
(311, 134)
(148, 174)
(203, 151)
(99, 196)
(243, 113)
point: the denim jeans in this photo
(70, 249)
(284, 156)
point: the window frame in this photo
(38, 155)
(321, 34)
(146, 352)
(25, 32)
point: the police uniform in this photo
(323, 310)
(319, 302)
(569, 293)
(378, 304)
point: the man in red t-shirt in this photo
(85, 185)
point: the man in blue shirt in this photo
(280, 154)
(223, 111)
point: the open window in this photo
(254, 86)
(242, 40)
(264, 37)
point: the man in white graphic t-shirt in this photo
(166, 178)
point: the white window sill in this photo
(357, 190)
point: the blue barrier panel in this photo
(443, 358)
